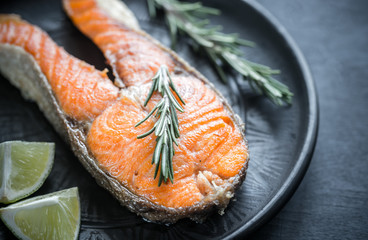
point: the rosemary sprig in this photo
(166, 128)
(221, 48)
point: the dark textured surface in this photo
(332, 200)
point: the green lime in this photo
(24, 166)
(51, 216)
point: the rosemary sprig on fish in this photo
(222, 49)
(166, 128)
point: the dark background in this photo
(332, 200)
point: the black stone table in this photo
(332, 200)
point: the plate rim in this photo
(293, 180)
(297, 173)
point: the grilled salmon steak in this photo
(97, 117)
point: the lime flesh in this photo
(51, 216)
(24, 166)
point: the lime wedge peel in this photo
(51, 216)
(24, 166)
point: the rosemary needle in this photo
(166, 128)
(222, 49)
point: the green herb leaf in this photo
(166, 128)
(221, 48)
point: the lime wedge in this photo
(24, 166)
(52, 216)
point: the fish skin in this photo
(199, 187)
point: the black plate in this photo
(281, 140)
